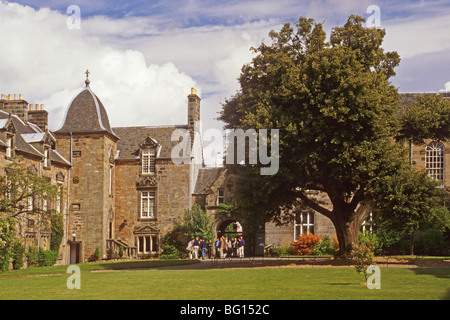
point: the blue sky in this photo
(144, 56)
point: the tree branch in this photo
(314, 205)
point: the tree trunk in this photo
(347, 233)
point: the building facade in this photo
(124, 187)
(24, 138)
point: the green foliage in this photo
(110, 253)
(57, 228)
(427, 118)
(324, 247)
(170, 252)
(32, 257)
(432, 243)
(195, 223)
(410, 201)
(97, 253)
(281, 251)
(10, 245)
(47, 258)
(18, 252)
(21, 184)
(363, 256)
(334, 107)
(41, 258)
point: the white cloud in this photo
(44, 60)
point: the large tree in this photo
(334, 106)
(24, 191)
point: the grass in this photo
(287, 283)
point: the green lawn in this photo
(286, 283)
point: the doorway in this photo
(74, 253)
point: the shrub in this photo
(47, 258)
(304, 244)
(32, 257)
(370, 239)
(281, 251)
(324, 247)
(17, 256)
(170, 252)
(363, 256)
(97, 253)
(110, 253)
(431, 243)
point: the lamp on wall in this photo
(73, 235)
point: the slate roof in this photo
(26, 134)
(131, 139)
(86, 114)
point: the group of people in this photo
(221, 248)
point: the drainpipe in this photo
(68, 205)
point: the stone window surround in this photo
(148, 160)
(150, 205)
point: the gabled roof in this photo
(86, 114)
(205, 179)
(26, 134)
(132, 138)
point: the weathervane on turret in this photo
(87, 78)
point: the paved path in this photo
(244, 263)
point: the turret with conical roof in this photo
(86, 114)
(86, 138)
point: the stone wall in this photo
(91, 206)
(171, 196)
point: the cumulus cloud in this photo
(45, 61)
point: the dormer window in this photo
(9, 146)
(148, 161)
(46, 156)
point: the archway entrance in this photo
(230, 229)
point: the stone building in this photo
(24, 134)
(127, 186)
(124, 187)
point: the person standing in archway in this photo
(241, 247)
(217, 248)
(196, 247)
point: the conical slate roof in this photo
(86, 114)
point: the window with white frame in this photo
(434, 160)
(46, 157)
(147, 204)
(9, 146)
(148, 160)
(304, 223)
